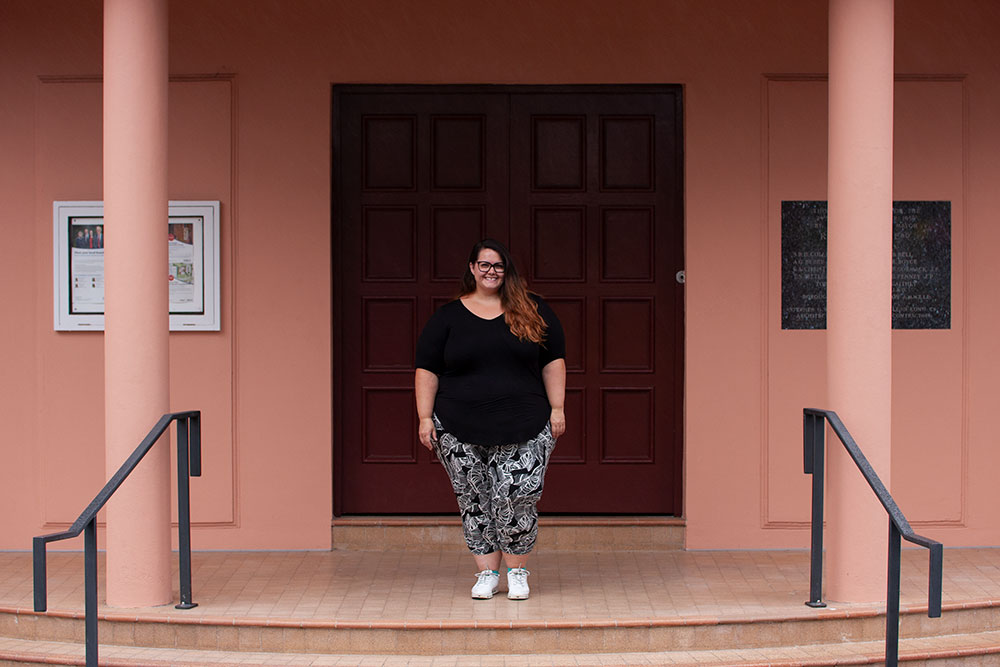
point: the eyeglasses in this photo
(484, 267)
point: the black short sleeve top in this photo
(490, 389)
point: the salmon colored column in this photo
(859, 290)
(136, 309)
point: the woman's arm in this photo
(554, 379)
(425, 385)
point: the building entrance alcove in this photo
(585, 185)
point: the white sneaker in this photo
(486, 585)
(517, 583)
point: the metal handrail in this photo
(899, 527)
(188, 464)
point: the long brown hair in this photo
(520, 310)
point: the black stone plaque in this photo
(803, 265)
(921, 265)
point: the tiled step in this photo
(491, 637)
(587, 607)
(556, 533)
(968, 649)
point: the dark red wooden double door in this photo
(584, 184)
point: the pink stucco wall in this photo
(250, 126)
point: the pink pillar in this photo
(136, 309)
(859, 289)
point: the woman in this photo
(490, 386)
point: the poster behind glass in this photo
(185, 264)
(86, 264)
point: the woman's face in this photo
(489, 280)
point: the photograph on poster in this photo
(183, 242)
(192, 237)
(86, 264)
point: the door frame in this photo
(337, 248)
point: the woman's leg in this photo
(489, 561)
(515, 560)
(518, 473)
(466, 466)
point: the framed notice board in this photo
(192, 238)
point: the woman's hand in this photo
(427, 433)
(554, 379)
(557, 420)
(425, 386)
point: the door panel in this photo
(584, 185)
(603, 231)
(421, 178)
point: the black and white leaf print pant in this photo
(498, 489)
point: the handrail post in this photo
(195, 444)
(892, 599)
(40, 584)
(184, 513)
(934, 580)
(815, 428)
(90, 590)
